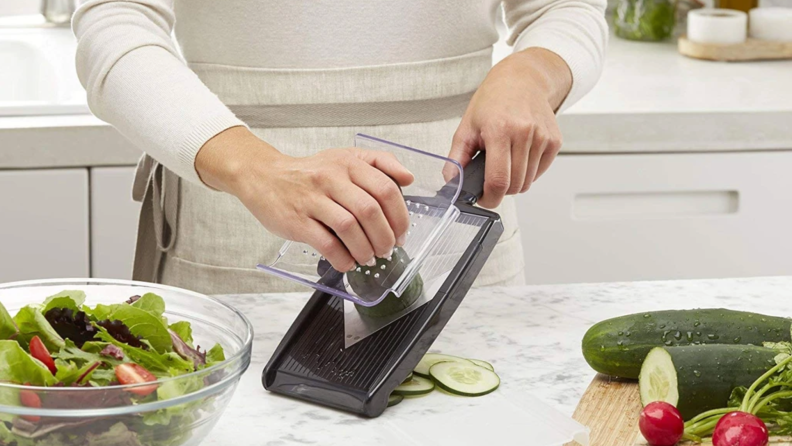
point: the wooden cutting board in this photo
(751, 49)
(610, 408)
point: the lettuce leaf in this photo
(17, 366)
(8, 329)
(184, 330)
(215, 355)
(117, 435)
(102, 377)
(72, 299)
(174, 389)
(8, 397)
(185, 351)
(68, 372)
(151, 303)
(100, 312)
(71, 352)
(31, 322)
(139, 321)
(161, 365)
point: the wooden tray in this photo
(752, 49)
(610, 408)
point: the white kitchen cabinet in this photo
(114, 217)
(43, 224)
(597, 218)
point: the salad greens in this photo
(65, 343)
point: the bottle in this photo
(740, 5)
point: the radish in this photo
(661, 424)
(740, 429)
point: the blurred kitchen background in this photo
(672, 167)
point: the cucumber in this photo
(430, 359)
(618, 346)
(414, 387)
(394, 400)
(698, 378)
(409, 377)
(366, 282)
(464, 379)
(484, 364)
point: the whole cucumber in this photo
(698, 378)
(618, 346)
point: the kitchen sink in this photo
(38, 76)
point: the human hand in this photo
(345, 203)
(512, 117)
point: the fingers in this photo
(388, 226)
(538, 146)
(320, 238)
(463, 146)
(347, 228)
(390, 165)
(550, 153)
(521, 150)
(497, 172)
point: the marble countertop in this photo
(531, 334)
(649, 99)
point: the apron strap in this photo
(159, 191)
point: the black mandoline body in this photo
(311, 362)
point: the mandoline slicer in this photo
(335, 357)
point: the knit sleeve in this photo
(576, 30)
(137, 81)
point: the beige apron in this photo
(207, 241)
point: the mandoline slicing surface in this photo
(312, 364)
(319, 354)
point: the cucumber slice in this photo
(464, 379)
(394, 400)
(484, 364)
(416, 386)
(658, 380)
(431, 359)
(409, 377)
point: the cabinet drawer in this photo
(595, 218)
(114, 218)
(43, 224)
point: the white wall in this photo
(19, 7)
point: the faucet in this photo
(58, 12)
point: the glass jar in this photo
(649, 20)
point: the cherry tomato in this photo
(39, 351)
(129, 373)
(29, 398)
(661, 424)
(740, 429)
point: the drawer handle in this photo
(637, 205)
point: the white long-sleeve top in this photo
(139, 81)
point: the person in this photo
(246, 111)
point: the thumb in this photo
(463, 147)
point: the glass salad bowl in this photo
(87, 402)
